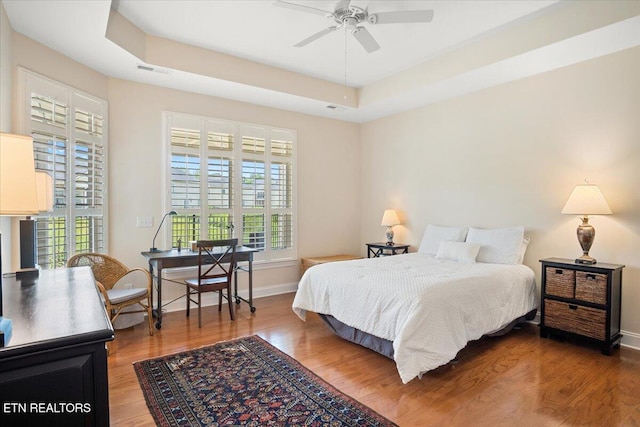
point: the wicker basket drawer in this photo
(587, 321)
(591, 287)
(560, 282)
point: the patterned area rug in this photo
(245, 382)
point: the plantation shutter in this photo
(68, 130)
(232, 179)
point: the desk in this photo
(57, 352)
(186, 258)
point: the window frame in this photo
(269, 257)
(76, 101)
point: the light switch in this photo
(144, 221)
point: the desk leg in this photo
(159, 303)
(253, 309)
(153, 311)
(237, 297)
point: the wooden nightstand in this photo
(582, 300)
(375, 250)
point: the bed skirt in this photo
(385, 347)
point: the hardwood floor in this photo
(518, 379)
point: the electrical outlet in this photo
(144, 221)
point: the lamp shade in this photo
(17, 176)
(390, 218)
(44, 187)
(586, 199)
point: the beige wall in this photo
(511, 155)
(327, 160)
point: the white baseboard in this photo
(211, 298)
(629, 339)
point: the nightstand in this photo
(582, 301)
(375, 250)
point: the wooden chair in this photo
(216, 264)
(108, 271)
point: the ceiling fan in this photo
(350, 17)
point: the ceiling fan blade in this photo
(301, 8)
(366, 39)
(342, 4)
(316, 36)
(401, 17)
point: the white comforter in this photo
(429, 308)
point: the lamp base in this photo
(586, 259)
(27, 272)
(389, 236)
(154, 250)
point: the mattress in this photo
(428, 308)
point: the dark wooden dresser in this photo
(53, 371)
(582, 300)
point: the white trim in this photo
(211, 298)
(630, 340)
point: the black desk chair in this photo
(215, 269)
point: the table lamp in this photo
(18, 193)
(18, 197)
(389, 219)
(153, 244)
(585, 200)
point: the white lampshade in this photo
(586, 199)
(44, 187)
(17, 176)
(390, 218)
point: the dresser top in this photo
(59, 307)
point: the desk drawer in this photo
(587, 321)
(591, 287)
(560, 282)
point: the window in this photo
(230, 179)
(69, 140)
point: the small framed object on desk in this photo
(376, 250)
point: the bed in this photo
(422, 308)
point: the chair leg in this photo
(230, 302)
(220, 300)
(188, 295)
(199, 309)
(150, 316)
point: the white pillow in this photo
(498, 245)
(523, 249)
(458, 251)
(434, 234)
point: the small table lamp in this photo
(389, 219)
(18, 195)
(586, 200)
(18, 192)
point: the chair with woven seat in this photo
(216, 264)
(108, 271)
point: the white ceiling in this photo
(261, 32)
